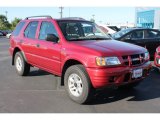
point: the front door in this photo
(136, 37)
(49, 52)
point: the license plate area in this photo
(137, 73)
(159, 61)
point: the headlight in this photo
(104, 61)
(146, 56)
(158, 51)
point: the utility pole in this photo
(93, 16)
(93, 20)
(6, 12)
(61, 11)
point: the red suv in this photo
(157, 58)
(78, 51)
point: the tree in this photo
(4, 24)
(15, 22)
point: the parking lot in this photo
(40, 93)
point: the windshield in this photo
(82, 30)
(120, 33)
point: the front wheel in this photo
(78, 85)
(22, 67)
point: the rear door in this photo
(29, 43)
(49, 52)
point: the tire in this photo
(78, 85)
(22, 67)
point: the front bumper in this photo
(116, 76)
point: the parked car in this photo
(145, 37)
(86, 60)
(1, 34)
(106, 29)
(8, 35)
(115, 28)
(157, 58)
(4, 33)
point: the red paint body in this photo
(52, 56)
(157, 57)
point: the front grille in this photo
(133, 60)
(157, 60)
(127, 77)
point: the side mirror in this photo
(52, 38)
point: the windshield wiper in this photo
(98, 38)
(75, 39)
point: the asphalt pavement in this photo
(39, 92)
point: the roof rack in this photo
(74, 18)
(42, 16)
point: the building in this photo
(148, 17)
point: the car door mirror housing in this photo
(52, 38)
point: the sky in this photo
(101, 14)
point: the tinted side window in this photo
(152, 34)
(18, 28)
(137, 34)
(30, 31)
(47, 28)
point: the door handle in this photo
(37, 45)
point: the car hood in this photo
(111, 47)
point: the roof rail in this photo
(74, 18)
(42, 16)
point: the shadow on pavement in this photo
(146, 90)
(38, 72)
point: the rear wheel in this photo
(22, 67)
(78, 85)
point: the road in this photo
(39, 92)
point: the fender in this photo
(73, 58)
(16, 49)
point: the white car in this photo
(105, 28)
(8, 35)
